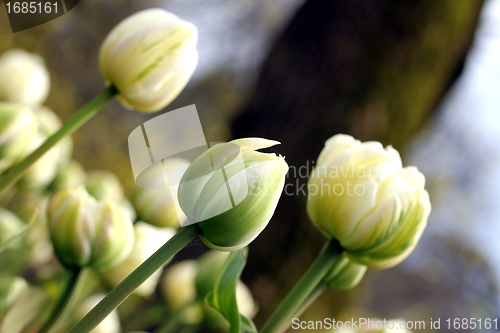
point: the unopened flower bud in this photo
(87, 233)
(17, 128)
(231, 191)
(178, 284)
(149, 57)
(360, 194)
(155, 206)
(25, 79)
(148, 239)
(69, 174)
(10, 289)
(345, 274)
(43, 171)
(102, 184)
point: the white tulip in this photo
(88, 233)
(232, 190)
(25, 80)
(149, 58)
(360, 194)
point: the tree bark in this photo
(375, 69)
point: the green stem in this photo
(63, 301)
(135, 279)
(74, 123)
(293, 302)
(309, 300)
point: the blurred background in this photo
(422, 76)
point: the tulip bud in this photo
(10, 289)
(87, 233)
(43, 171)
(345, 274)
(111, 324)
(155, 206)
(25, 79)
(231, 191)
(29, 205)
(148, 240)
(102, 184)
(149, 57)
(245, 301)
(360, 194)
(69, 174)
(178, 284)
(17, 127)
(179, 291)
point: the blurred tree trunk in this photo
(375, 69)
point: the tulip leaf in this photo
(19, 234)
(247, 324)
(223, 296)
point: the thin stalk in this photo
(75, 122)
(135, 279)
(64, 300)
(293, 302)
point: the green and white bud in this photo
(111, 324)
(87, 233)
(178, 284)
(10, 289)
(360, 194)
(25, 80)
(231, 191)
(17, 127)
(179, 290)
(148, 239)
(149, 57)
(39, 175)
(36, 239)
(69, 174)
(155, 206)
(345, 274)
(43, 171)
(103, 184)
